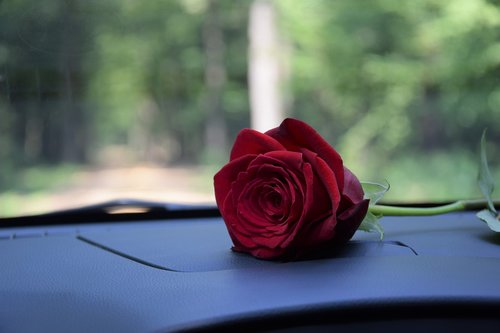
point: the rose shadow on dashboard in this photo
(493, 238)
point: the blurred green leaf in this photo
(371, 224)
(485, 180)
(374, 191)
(490, 218)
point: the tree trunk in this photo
(265, 72)
(215, 77)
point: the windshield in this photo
(103, 100)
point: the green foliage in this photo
(401, 88)
(383, 77)
(40, 178)
(29, 190)
(433, 176)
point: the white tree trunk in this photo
(264, 67)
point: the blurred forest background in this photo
(124, 88)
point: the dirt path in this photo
(179, 185)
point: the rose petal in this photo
(252, 142)
(264, 253)
(317, 236)
(288, 159)
(352, 187)
(227, 175)
(327, 178)
(247, 193)
(278, 168)
(295, 134)
(252, 225)
(348, 222)
(308, 203)
(321, 206)
(231, 220)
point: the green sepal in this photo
(374, 191)
(371, 224)
(484, 178)
(490, 218)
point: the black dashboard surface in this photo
(180, 275)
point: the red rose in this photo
(286, 193)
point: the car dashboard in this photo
(180, 275)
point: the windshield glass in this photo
(102, 100)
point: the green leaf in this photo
(371, 224)
(491, 219)
(374, 191)
(484, 178)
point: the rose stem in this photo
(456, 206)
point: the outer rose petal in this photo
(250, 141)
(348, 222)
(352, 186)
(262, 253)
(325, 197)
(327, 177)
(227, 175)
(295, 134)
(353, 192)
